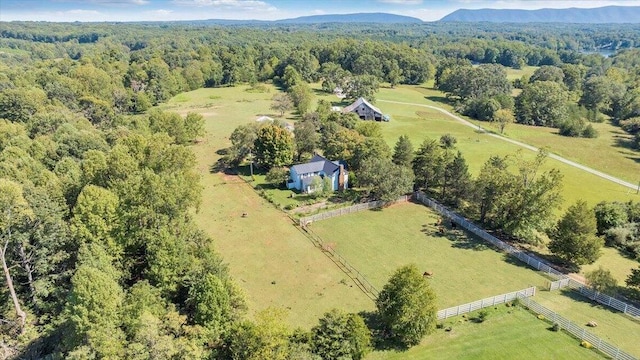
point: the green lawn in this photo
(613, 327)
(377, 242)
(611, 259)
(508, 333)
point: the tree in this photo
(301, 95)
(361, 86)
(274, 146)
(492, 183)
(14, 210)
(215, 303)
(602, 281)
(403, 152)
(386, 180)
(448, 141)
(281, 102)
(521, 205)
(502, 118)
(341, 336)
(633, 280)
(542, 103)
(456, 180)
(267, 338)
(428, 164)
(94, 310)
(574, 239)
(193, 126)
(277, 176)
(610, 215)
(407, 306)
(306, 138)
(547, 73)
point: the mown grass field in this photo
(377, 242)
(420, 123)
(613, 327)
(508, 333)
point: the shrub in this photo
(482, 315)
(589, 132)
(555, 327)
(439, 325)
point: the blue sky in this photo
(144, 10)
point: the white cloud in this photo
(401, 2)
(80, 12)
(110, 2)
(227, 4)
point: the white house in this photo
(301, 176)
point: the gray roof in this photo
(359, 102)
(317, 164)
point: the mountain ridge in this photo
(599, 15)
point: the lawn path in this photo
(521, 144)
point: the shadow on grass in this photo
(577, 297)
(459, 238)
(439, 99)
(381, 339)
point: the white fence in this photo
(603, 299)
(476, 305)
(348, 210)
(531, 260)
(576, 330)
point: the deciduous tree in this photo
(341, 336)
(274, 146)
(407, 306)
(602, 281)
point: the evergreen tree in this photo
(574, 240)
(403, 152)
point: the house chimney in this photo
(341, 176)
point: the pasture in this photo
(508, 333)
(464, 269)
(268, 257)
(613, 326)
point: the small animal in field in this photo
(427, 274)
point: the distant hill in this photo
(378, 18)
(373, 18)
(601, 15)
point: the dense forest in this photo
(100, 253)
